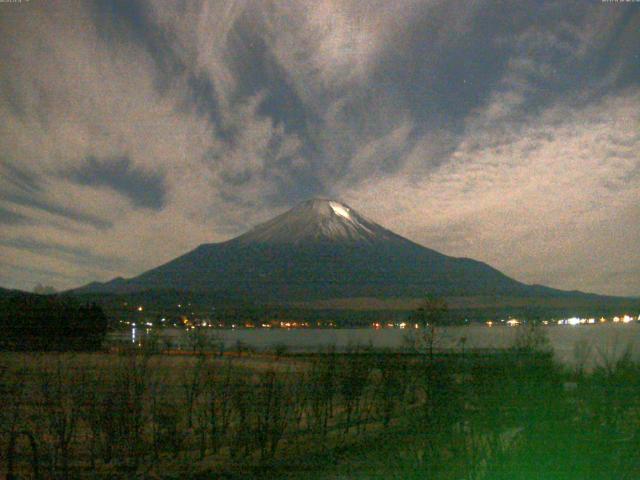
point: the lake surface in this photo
(582, 344)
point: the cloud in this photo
(561, 189)
(145, 190)
(137, 130)
(72, 254)
(9, 217)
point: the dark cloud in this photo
(440, 74)
(8, 217)
(202, 97)
(122, 21)
(19, 178)
(132, 22)
(254, 64)
(618, 50)
(143, 189)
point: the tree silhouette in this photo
(431, 314)
(39, 322)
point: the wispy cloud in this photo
(552, 194)
(137, 130)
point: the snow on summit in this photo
(317, 220)
(340, 210)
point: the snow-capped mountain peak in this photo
(320, 249)
(317, 220)
(340, 209)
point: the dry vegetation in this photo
(71, 415)
(370, 414)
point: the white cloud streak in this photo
(537, 179)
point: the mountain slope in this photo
(321, 249)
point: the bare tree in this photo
(354, 373)
(12, 422)
(193, 384)
(219, 390)
(321, 391)
(391, 385)
(430, 315)
(59, 403)
(272, 414)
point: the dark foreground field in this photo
(142, 414)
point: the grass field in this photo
(364, 414)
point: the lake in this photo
(581, 344)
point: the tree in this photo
(39, 322)
(431, 314)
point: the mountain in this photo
(321, 249)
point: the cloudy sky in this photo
(509, 132)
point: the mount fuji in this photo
(321, 249)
